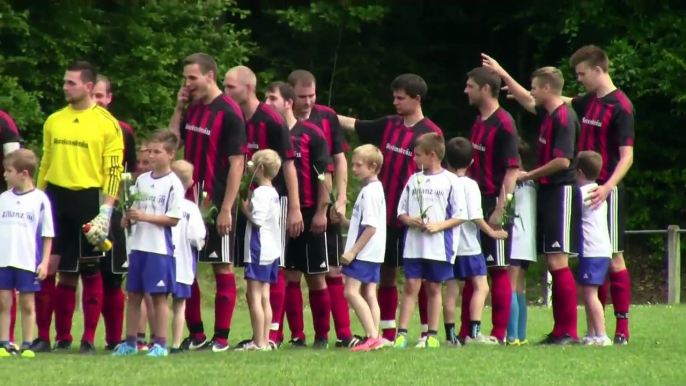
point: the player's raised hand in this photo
(491, 63)
(507, 90)
(183, 96)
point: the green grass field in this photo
(655, 356)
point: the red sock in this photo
(423, 303)
(91, 303)
(113, 302)
(294, 310)
(620, 287)
(282, 318)
(277, 293)
(339, 307)
(501, 300)
(465, 316)
(224, 304)
(602, 293)
(320, 303)
(388, 305)
(65, 305)
(13, 315)
(193, 315)
(564, 303)
(45, 307)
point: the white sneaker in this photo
(247, 347)
(386, 343)
(482, 339)
(588, 340)
(604, 341)
(421, 343)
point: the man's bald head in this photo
(240, 83)
(244, 75)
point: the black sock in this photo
(402, 331)
(449, 332)
(474, 328)
(433, 333)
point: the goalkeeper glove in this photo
(100, 225)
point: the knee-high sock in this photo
(45, 307)
(277, 295)
(224, 305)
(193, 314)
(388, 307)
(113, 305)
(423, 305)
(91, 303)
(65, 305)
(501, 297)
(294, 310)
(339, 307)
(620, 287)
(513, 324)
(465, 317)
(523, 316)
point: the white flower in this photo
(321, 177)
(126, 176)
(510, 196)
(204, 195)
(251, 164)
(133, 190)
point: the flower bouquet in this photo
(129, 195)
(247, 181)
(420, 197)
(207, 210)
(509, 213)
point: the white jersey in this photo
(595, 233)
(469, 233)
(263, 231)
(190, 237)
(524, 226)
(369, 211)
(440, 195)
(163, 196)
(26, 219)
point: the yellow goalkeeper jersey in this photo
(82, 149)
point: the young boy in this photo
(366, 245)
(190, 236)
(151, 263)
(594, 261)
(523, 253)
(26, 212)
(263, 230)
(470, 265)
(432, 205)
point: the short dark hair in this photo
(103, 78)
(459, 153)
(87, 70)
(523, 147)
(286, 90)
(413, 85)
(22, 160)
(590, 163)
(204, 61)
(432, 142)
(302, 77)
(167, 138)
(594, 56)
(483, 76)
(550, 76)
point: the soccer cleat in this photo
(125, 349)
(563, 340)
(28, 353)
(62, 345)
(265, 348)
(242, 343)
(87, 348)
(320, 344)
(421, 343)
(13, 349)
(350, 342)
(217, 347)
(400, 341)
(297, 342)
(621, 340)
(157, 351)
(515, 342)
(4, 353)
(587, 340)
(40, 345)
(368, 344)
(177, 350)
(524, 343)
(604, 341)
(432, 342)
(249, 346)
(193, 344)
(274, 345)
(482, 339)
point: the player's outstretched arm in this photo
(347, 123)
(519, 93)
(177, 117)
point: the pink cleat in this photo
(370, 344)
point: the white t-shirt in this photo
(162, 195)
(369, 211)
(524, 226)
(469, 240)
(263, 231)
(190, 237)
(25, 219)
(595, 233)
(442, 198)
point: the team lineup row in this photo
(218, 130)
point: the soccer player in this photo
(266, 129)
(607, 127)
(364, 251)
(26, 233)
(82, 159)
(495, 168)
(325, 118)
(151, 263)
(470, 264)
(558, 200)
(213, 131)
(189, 238)
(307, 253)
(396, 136)
(112, 266)
(432, 206)
(263, 212)
(597, 249)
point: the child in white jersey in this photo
(151, 262)
(470, 264)
(366, 244)
(24, 213)
(262, 251)
(190, 238)
(596, 250)
(432, 206)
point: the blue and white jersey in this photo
(469, 244)
(441, 197)
(160, 195)
(524, 225)
(190, 236)
(595, 232)
(369, 211)
(263, 230)
(25, 219)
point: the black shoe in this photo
(275, 345)
(297, 342)
(242, 344)
(563, 340)
(176, 350)
(350, 342)
(191, 344)
(320, 344)
(40, 345)
(12, 349)
(113, 346)
(62, 345)
(87, 348)
(621, 340)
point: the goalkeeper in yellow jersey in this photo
(80, 172)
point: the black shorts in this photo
(72, 209)
(115, 260)
(238, 259)
(616, 217)
(308, 252)
(496, 252)
(558, 212)
(334, 244)
(395, 246)
(220, 249)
